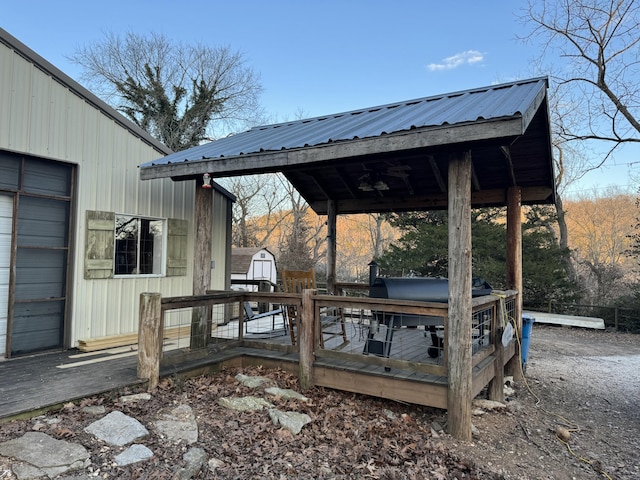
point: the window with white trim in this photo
(139, 245)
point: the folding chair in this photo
(251, 317)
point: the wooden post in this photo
(306, 339)
(459, 347)
(201, 316)
(150, 330)
(332, 218)
(496, 385)
(514, 270)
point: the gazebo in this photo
(486, 146)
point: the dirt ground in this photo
(585, 381)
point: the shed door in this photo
(6, 213)
(262, 270)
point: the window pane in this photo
(151, 246)
(126, 261)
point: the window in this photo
(138, 246)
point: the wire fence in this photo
(617, 318)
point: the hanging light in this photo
(206, 181)
(365, 184)
(380, 186)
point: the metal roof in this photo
(405, 145)
(485, 104)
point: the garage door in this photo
(6, 212)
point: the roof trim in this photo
(64, 79)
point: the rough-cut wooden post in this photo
(306, 339)
(201, 316)
(332, 218)
(496, 385)
(459, 348)
(514, 270)
(150, 338)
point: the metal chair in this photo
(250, 317)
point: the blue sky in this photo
(317, 56)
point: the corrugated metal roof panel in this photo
(480, 104)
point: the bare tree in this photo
(600, 42)
(180, 94)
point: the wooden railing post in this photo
(496, 385)
(150, 338)
(306, 339)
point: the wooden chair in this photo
(295, 281)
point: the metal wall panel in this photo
(43, 117)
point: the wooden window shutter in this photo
(100, 245)
(177, 237)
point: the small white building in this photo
(81, 236)
(252, 264)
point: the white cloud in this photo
(464, 58)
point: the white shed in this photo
(81, 236)
(252, 264)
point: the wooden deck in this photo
(31, 384)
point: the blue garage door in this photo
(37, 317)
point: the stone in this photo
(285, 393)
(44, 455)
(488, 404)
(116, 428)
(215, 463)
(292, 421)
(134, 454)
(244, 404)
(194, 460)
(178, 424)
(94, 410)
(252, 381)
(137, 397)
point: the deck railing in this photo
(412, 350)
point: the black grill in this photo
(424, 289)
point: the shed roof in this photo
(402, 147)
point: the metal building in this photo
(80, 235)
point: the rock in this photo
(178, 424)
(563, 434)
(253, 382)
(436, 426)
(215, 463)
(194, 460)
(135, 398)
(135, 453)
(509, 392)
(474, 431)
(43, 455)
(389, 414)
(94, 410)
(117, 429)
(292, 421)
(285, 393)
(244, 404)
(488, 404)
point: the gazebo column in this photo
(332, 219)
(458, 331)
(201, 316)
(514, 269)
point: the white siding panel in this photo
(6, 214)
(6, 69)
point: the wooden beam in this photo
(458, 334)
(201, 316)
(281, 160)
(510, 170)
(332, 219)
(437, 174)
(514, 267)
(150, 338)
(435, 201)
(306, 338)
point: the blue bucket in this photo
(527, 326)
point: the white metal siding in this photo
(43, 118)
(6, 214)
